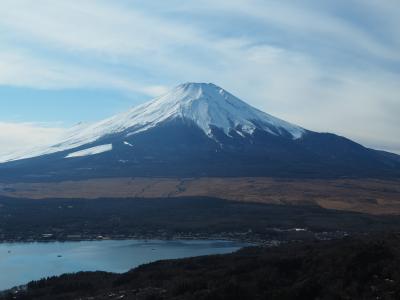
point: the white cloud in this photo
(304, 63)
(21, 68)
(98, 26)
(16, 137)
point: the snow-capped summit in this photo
(208, 105)
(205, 104)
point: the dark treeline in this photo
(30, 219)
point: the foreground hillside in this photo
(359, 268)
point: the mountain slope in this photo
(205, 105)
(197, 130)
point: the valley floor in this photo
(319, 253)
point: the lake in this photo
(21, 263)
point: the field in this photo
(372, 196)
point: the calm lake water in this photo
(24, 262)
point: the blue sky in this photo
(62, 107)
(325, 65)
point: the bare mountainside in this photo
(371, 196)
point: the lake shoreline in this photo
(47, 259)
(230, 237)
(259, 272)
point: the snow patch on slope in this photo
(91, 151)
(128, 144)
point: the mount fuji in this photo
(197, 129)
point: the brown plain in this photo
(360, 195)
